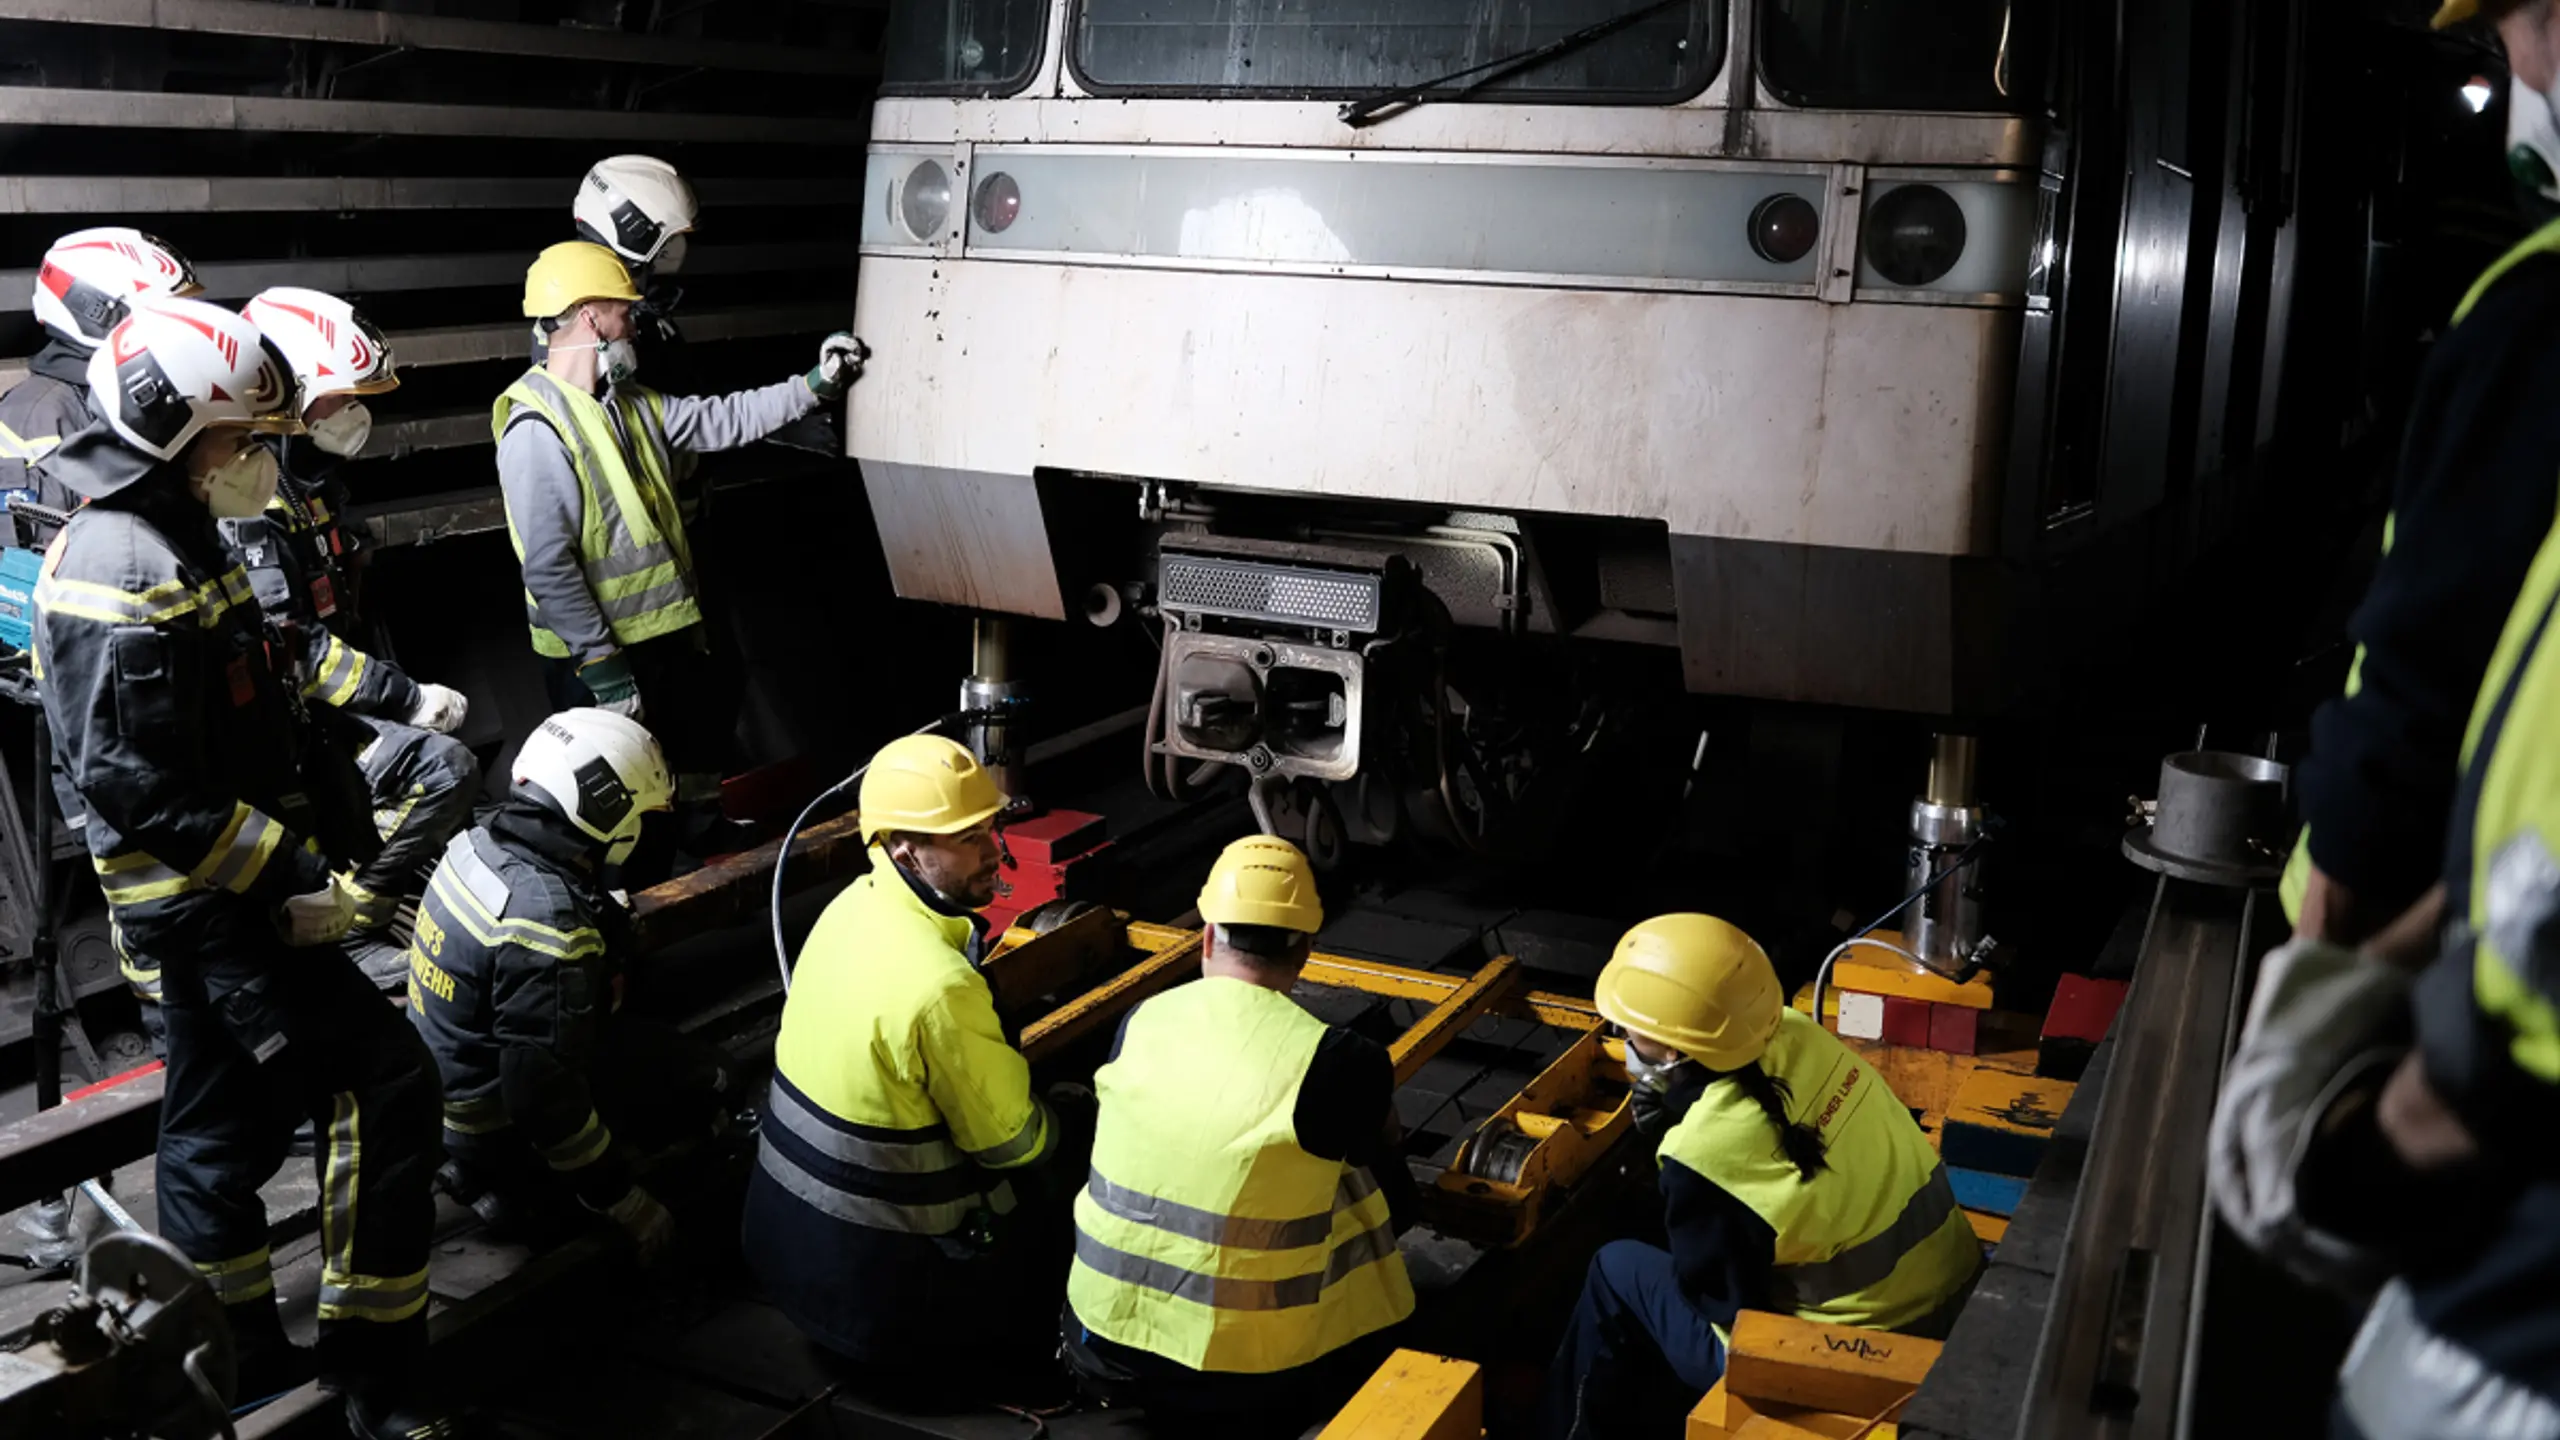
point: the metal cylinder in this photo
(1944, 926)
(994, 698)
(2219, 808)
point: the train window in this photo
(961, 47)
(1902, 54)
(1346, 48)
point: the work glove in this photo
(610, 680)
(840, 358)
(440, 708)
(640, 1216)
(321, 917)
(371, 908)
(2325, 1022)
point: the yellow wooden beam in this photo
(1414, 1396)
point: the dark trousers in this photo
(689, 701)
(423, 785)
(262, 1037)
(1638, 1356)
(1179, 1401)
(651, 1084)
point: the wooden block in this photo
(1888, 976)
(1414, 1396)
(1783, 1360)
(1733, 1417)
(1953, 1028)
(2002, 1122)
(1861, 1016)
(1989, 1229)
(1906, 1021)
(1977, 1190)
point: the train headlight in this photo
(1915, 235)
(924, 201)
(998, 201)
(1783, 228)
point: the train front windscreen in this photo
(1850, 54)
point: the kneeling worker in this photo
(877, 1215)
(514, 976)
(1797, 1182)
(1235, 1261)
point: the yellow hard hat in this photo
(1696, 984)
(1262, 880)
(926, 785)
(572, 271)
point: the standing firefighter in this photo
(516, 974)
(419, 778)
(174, 736)
(587, 458)
(1235, 1264)
(87, 283)
(880, 1217)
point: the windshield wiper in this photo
(1359, 114)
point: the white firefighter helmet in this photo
(175, 367)
(90, 277)
(635, 206)
(600, 771)
(331, 349)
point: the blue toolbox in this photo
(18, 570)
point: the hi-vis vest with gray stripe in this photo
(1875, 1239)
(1205, 1234)
(631, 542)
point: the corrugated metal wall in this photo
(413, 157)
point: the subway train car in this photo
(1823, 342)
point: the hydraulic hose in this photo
(799, 822)
(1862, 935)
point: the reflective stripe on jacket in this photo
(894, 1088)
(1206, 1235)
(1875, 1238)
(631, 541)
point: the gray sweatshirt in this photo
(547, 510)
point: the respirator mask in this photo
(240, 486)
(1648, 1077)
(344, 431)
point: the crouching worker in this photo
(1796, 1182)
(882, 1215)
(515, 973)
(1236, 1267)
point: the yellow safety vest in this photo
(894, 1090)
(2508, 812)
(631, 542)
(2545, 241)
(1876, 1239)
(1206, 1235)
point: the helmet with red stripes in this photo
(331, 349)
(90, 277)
(173, 368)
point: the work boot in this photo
(267, 1364)
(411, 1420)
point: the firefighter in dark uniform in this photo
(175, 736)
(516, 972)
(301, 563)
(82, 289)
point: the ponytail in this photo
(1800, 1143)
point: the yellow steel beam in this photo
(1108, 1001)
(1450, 1018)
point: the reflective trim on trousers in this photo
(384, 1300)
(582, 1149)
(477, 1116)
(2403, 1381)
(338, 1187)
(941, 1218)
(1235, 1232)
(242, 1279)
(1870, 1261)
(134, 878)
(920, 1157)
(1223, 1292)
